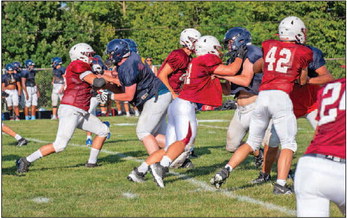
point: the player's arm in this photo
(324, 76)
(164, 77)
(128, 94)
(229, 70)
(3, 86)
(303, 77)
(245, 78)
(25, 87)
(19, 88)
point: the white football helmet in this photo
(293, 29)
(83, 52)
(189, 37)
(207, 45)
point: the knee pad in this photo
(59, 147)
(103, 132)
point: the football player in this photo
(143, 90)
(18, 69)
(30, 89)
(20, 140)
(10, 84)
(304, 106)
(73, 110)
(245, 87)
(321, 172)
(199, 89)
(284, 62)
(172, 73)
(58, 84)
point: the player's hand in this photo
(26, 96)
(102, 97)
(4, 94)
(174, 95)
(241, 52)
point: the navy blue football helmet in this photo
(239, 35)
(28, 63)
(98, 65)
(56, 61)
(117, 49)
(132, 45)
(9, 67)
(17, 66)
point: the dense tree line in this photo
(42, 30)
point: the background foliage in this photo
(42, 30)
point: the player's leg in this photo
(285, 125)
(34, 103)
(236, 131)
(20, 140)
(68, 121)
(150, 119)
(127, 108)
(92, 109)
(9, 103)
(27, 103)
(15, 101)
(54, 98)
(259, 122)
(92, 124)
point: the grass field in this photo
(60, 186)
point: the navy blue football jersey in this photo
(254, 53)
(10, 79)
(58, 75)
(134, 71)
(318, 61)
(30, 76)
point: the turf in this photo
(60, 186)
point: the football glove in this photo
(4, 94)
(103, 97)
(241, 52)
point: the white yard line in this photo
(200, 184)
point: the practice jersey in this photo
(330, 138)
(58, 75)
(30, 76)
(198, 86)
(134, 71)
(283, 63)
(253, 54)
(304, 97)
(77, 92)
(9, 79)
(178, 61)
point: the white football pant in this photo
(32, 93)
(317, 182)
(275, 105)
(55, 95)
(13, 98)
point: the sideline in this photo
(203, 185)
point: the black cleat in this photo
(188, 164)
(136, 176)
(262, 178)
(258, 160)
(282, 190)
(193, 155)
(220, 178)
(22, 142)
(91, 165)
(291, 174)
(22, 165)
(158, 172)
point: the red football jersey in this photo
(199, 87)
(178, 61)
(304, 99)
(77, 92)
(330, 138)
(283, 63)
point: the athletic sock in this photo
(89, 137)
(17, 137)
(229, 168)
(143, 168)
(165, 161)
(281, 182)
(34, 156)
(93, 157)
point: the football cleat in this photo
(180, 160)
(258, 160)
(89, 142)
(91, 165)
(158, 172)
(188, 164)
(22, 142)
(291, 174)
(220, 178)
(22, 165)
(262, 178)
(282, 190)
(136, 176)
